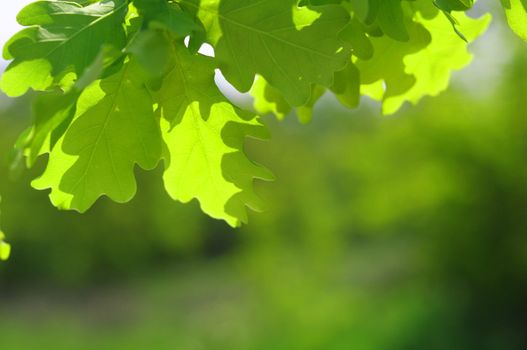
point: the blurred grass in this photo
(216, 307)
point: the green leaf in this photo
(5, 249)
(454, 22)
(114, 128)
(361, 9)
(516, 12)
(151, 48)
(388, 15)
(390, 18)
(53, 112)
(204, 135)
(355, 34)
(61, 37)
(291, 47)
(347, 86)
(387, 65)
(269, 100)
(162, 14)
(433, 65)
(454, 5)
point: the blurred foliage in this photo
(407, 232)
(73, 249)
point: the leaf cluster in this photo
(122, 83)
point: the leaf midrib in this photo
(94, 146)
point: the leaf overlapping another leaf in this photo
(422, 65)
(205, 134)
(291, 47)
(429, 66)
(162, 14)
(113, 129)
(60, 37)
(118, 88)
(516, 12)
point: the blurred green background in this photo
(402, 232)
